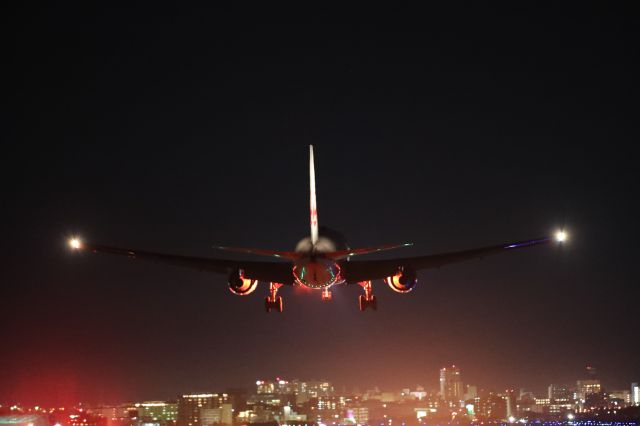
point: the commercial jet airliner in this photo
(318, 262)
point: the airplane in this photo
(318, 262)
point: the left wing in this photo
(279, 272)
(356, 271)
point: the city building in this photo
(541, 405)
(213, 416)
(303, 391)
(584, 388)
(190, 406)
(619, 398)
(635, 394)
(277, 387)
(451, 389)
(492, 406)
(357, 415)
(559, 393)
(470, 393)
(114, 413)
(510, 400)
(288, 415)
(163, 413)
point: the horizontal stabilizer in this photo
(261, 252)
(342, 254)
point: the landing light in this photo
(75, 243)
(561, 236)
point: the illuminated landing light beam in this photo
(561, 236)
(75, 243)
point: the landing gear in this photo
(276, 304)
(367, 300)
(364, 303)
(326, 294)
(273, 301)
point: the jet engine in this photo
(239, 285)
(402, 282)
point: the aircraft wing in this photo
(279, 272)
(364, 270)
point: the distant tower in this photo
(589, 386)
(635, 394)
(451, 388)
(510, 398)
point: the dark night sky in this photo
(173, 130)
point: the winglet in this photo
(312, 202)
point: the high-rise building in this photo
(510, 400)
(586, 388)
(451, 388)
(189, 406)
(635, 394)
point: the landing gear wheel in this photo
(363, 303)
(276, 305)
(273, 301)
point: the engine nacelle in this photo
(402, 282)
(239, 285)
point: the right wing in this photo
(365, 270)
(279, 272)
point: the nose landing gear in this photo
(326, 294)
(367, 300)
(273, 301)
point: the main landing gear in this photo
(367, 300)
(273, 301)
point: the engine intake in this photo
(402, 282)
(239, 285)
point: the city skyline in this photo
(451, 385)
(319, 402)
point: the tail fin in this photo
(341, 254)
(312, 203)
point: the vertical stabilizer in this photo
(312, 202)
